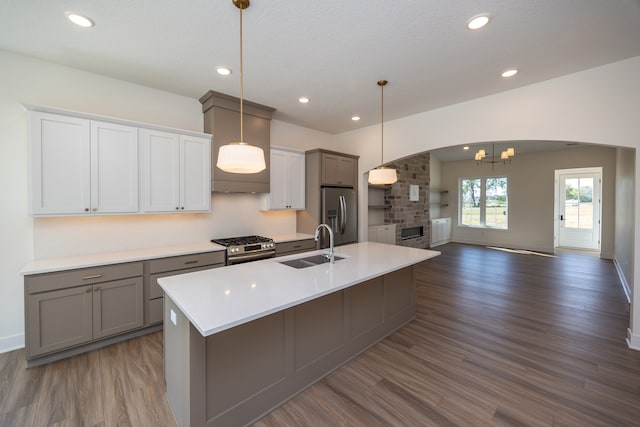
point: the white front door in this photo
(578, 208)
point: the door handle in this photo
(343, 211)
(561, 217)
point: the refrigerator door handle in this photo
(343, 212)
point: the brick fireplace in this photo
(410, 216)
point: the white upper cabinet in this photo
(195, 173)
(287, 180)
(84, 164)
(114, 168)
(81, 166)
(176, 171)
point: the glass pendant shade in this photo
(382, 176)
(240, 157)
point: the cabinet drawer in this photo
(155, 291)
(185, 261)
(285, 248)
(84, 276)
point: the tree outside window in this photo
(483, 202)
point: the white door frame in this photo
(556, 201)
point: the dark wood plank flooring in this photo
(499, 339)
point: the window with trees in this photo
(484, 202)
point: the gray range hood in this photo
(222, 120)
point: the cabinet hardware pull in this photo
(88, 290)
(182, 208)
(177, 208)
(95, 276)
(297, 246)
(95, 209)
(86, 209)
(96, 289)
(191, 262)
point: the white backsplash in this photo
(232, 215)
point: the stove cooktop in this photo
(240, 241)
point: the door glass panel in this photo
(578, 206)
(496, 202)
(470, 195)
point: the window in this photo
(483, 202)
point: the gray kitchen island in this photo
(243, 339)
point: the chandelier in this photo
(505, 156)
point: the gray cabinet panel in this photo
(297, 246)
(154, 311)
(117, 307)
(399, 292)
(58, 319)
(365, 307)
(318, 328)
(185, 261)
(338, 170)
(84, 276)
(260, 347)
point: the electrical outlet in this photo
(173, 317)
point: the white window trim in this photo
(483, 209)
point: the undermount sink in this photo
(309, 261)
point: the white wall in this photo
(531, 197)
(625, 215)
(598, 106)
(28, 80)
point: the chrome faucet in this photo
(329, 255)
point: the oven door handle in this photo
(241, 258)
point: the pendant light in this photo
(382, 175)
(240, 157)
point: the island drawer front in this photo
(285, 248)
(185, 261)
(84, 276)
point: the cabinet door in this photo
(195, 174)
(58, 319)
(278, 195)
(60, 168)
(337, 170)
(160, 171)
(117, 307)
(114, 168)
(346, 171)
(296, 167)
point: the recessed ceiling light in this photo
(79, 20)
(509, 73)
(223, 71)
(355, 118)
(303, 100)
(478, 21)
(466, 147)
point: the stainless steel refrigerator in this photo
(340, 212)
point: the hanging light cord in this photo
(381, 124)
(241, 78)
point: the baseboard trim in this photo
(623, 280)
(10, 343)
(633, 341)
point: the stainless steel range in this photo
(247, 248)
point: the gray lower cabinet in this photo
(233, 377)
(294, 247)
(164, 267)
(76, 307)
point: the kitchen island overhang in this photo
(241, 340)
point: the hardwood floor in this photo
(499, 339)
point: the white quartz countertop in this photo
(218, 299)
(49, 265)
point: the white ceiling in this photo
(332, 51)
